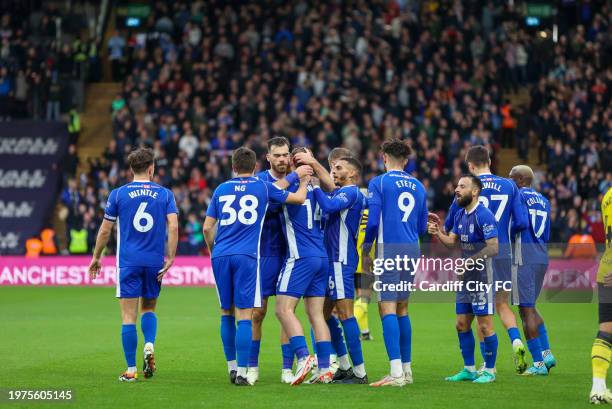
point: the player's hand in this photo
(165, 268)
(304, 158)
(304, 170)
(433, 228)
(608, 280)
(94, 268)
(433, 218)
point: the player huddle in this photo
(292, 232)
(300, 241)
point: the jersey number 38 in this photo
(247, 214)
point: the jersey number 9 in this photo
(247, 214)
(406, 202)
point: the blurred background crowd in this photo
(200, 78)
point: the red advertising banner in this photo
(72, 271)
(578, 274)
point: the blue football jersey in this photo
(501, 197)
(531, 242)
(140, 210)
(239, 205)
(397, 209)
(474, 228)
(302, 227)
(342, 210)
(273, 242)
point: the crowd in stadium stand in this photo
(201, 79)
(44, 61)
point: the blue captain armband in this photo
(292, 178)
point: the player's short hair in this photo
(475, 181)
(243, 160)
(140, 159)
(478, 156)
(298, 149)
(338, 153)
(396, 148)
(352, 162)
(278, 141)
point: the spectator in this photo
(116, 50)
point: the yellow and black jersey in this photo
(361, 238)
(605, 264)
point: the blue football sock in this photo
(391, 334)
(333, 350)
(287, 356)
(254, 353)
(352, 333)
(228, 337)
(148, 325)
(467, 344)
(244, 333)
(482, 350)
(405, 338)
(129, 338)
(535, 348)
(337, 339)
(323, 351)
(514, 333)
(298, 346)
(490, 351)
(543, 337)
(312, 341)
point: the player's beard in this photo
(465, 200)
(280, 168)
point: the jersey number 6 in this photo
(139, 216)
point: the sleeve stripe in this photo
(111, 218)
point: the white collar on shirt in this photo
(473, 208)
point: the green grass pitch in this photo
(69, 338)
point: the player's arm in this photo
(111, 211)
(374, 211)
(450, 217)
(172, 226)
(336, 203)
(488, 225)
(172, 223)
(520, 220)
(423, 217)
(434, 227)
(490, 249)
(101, 241)
(299, 197)
(277, 195)
(209, 229)
(325, 180)
(299, 173)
